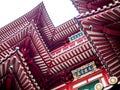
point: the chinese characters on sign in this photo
(84, 70)
(75, 36)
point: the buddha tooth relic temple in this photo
(80, 54)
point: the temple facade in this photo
(76, 55)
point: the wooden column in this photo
(69, 86)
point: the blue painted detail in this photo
(76, 36)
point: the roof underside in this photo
(38, 40)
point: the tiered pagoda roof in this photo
(101, 27)
(34, 54)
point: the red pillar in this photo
(69, 86)
(106, 77)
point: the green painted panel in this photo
(89, 86)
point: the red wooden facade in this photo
(36, 55)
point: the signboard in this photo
(75, 36)
(84, 70)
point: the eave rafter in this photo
(40, 47)
(10, 42)
(84, 6)
(15, 63)
(107, 30)
(13, 27)
(103, 20)
(111, 7)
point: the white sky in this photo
(58, 10)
